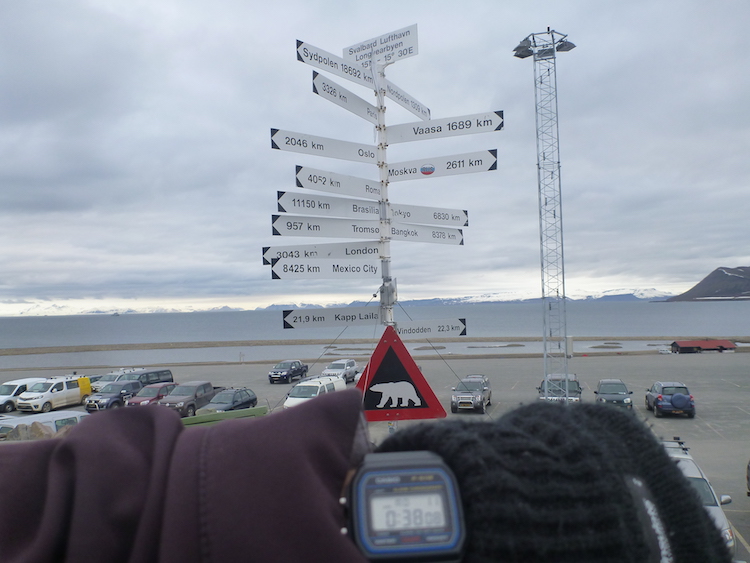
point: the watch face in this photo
(407, 512)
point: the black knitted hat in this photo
(583, 483)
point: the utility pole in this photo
(544, 48)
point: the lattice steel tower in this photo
(544, 48)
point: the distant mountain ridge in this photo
(723, 284)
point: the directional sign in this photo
(392, 385)
(321, 146)
(349, 250)
(388, 48)
(328, 89)
(405, 100)
(327, 206)
(449, 127)
(324, 60)
(298, 226)
(331, 317)
(481, 161)
(299, 268)
(421, 233)
(428, 215)
(432, 327)
(337, 183)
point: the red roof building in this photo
(698, 346)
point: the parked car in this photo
(110, 377)
(53, 420)
(313, 387)
(711, 502)
(614, 392)
(151, 394)
(230, 400)
(345, 369)
(54, 393)
(553, 388)
(10, 390)
(147, 376)
(670, 397)
(287, 370)
(473, 392)
(188, 397)
(112, 395)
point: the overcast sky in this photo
(136, 168)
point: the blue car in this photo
(670, 397)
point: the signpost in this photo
(313, 56)
(327, 206)
(434, 167)
(316, 269)
(436, 328)
(300, 226)
(331, 317)
(329, 90)
(422, 233)
(337, 183)
(387, 48)
(349, 250)
(321, 146)
(449, 127)
(429, 215)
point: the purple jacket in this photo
(135, 485)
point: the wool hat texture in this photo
(583, 483)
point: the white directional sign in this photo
(324, 60)
(349, 250)
(387, 48)
(449, 127)
(297, 226)
(327, 206)
(321, 146)
(405, 100)
(429, 215)
(432, 328)
(422, 233)
(328, 89)
(333, 182)
(331, 317)
(299, 268)
(481, 161)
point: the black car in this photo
(112, 395)
(614, 392)
(230, 400)
(670, 397)
(472, 393)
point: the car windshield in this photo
(40, 387)
(337, 365)
(613, 388)
(109, 377)
(112, 388)
(7, 389)
(224, 397)
(149, 391)
(283, 365)
(673, 390)
(557, 388)
(182, 390)
(304, 391)
(704, 491)
(469, 386)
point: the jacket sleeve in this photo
(135, 485)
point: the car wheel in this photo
(454, 409)
(657, 412)
(8, 407)
(46, 407)
(83, 399)
(482, 408)
(116, 405)
(691, 414)
(191, 411)
(648, 407)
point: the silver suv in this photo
(346, 369)
(473, 392)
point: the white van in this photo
(54, 420)
(312, 387)
(10, 390)
(54, 393)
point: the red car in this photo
(151, 394)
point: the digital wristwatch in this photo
(406, 506)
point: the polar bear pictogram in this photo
(399, 393)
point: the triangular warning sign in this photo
(392, 386)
